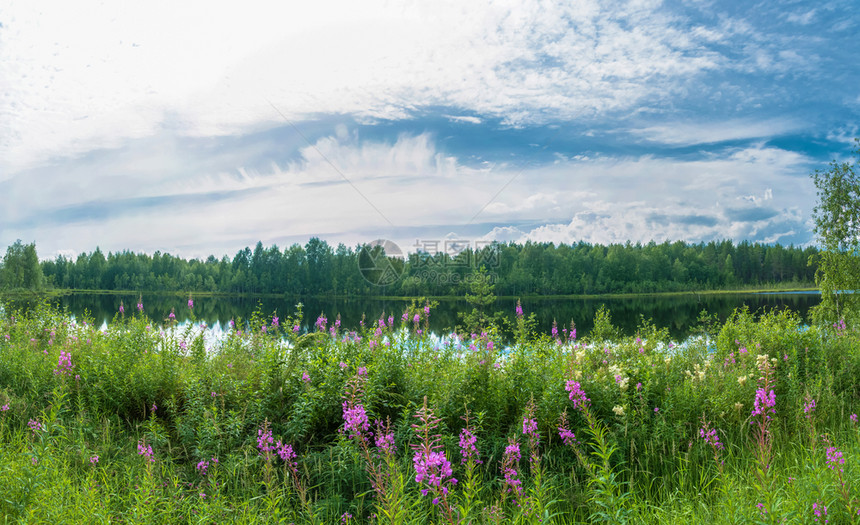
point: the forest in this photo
(527, 269)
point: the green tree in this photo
(837, 226)
(481, 298)
(21, 268)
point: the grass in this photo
(271, 426)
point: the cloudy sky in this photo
(198, 128)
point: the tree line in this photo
(318, 268)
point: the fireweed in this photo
(606, 490)
(510, 470)
(761, 417)
(432, 469)
(471, 458)
(711, 438)
(537, 501)
(380, 464)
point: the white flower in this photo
(618, 409)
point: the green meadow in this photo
(753, 420)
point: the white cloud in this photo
(110, 73)
(406, 189)
(687, 134)
(801, 18)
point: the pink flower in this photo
(835, 459)
(764, 403)
(305, 377)
(355, 419)
(146, 451)
(467, 446)
(286, 453)
(64, 364)
(265, 441)
(577, 395)
(433, 468)
(568, 437)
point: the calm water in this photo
(677, 313)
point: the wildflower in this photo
(519, 309)
(656, 409)
(416, 319)
(835, 459)
(296, 329)
(577, 395)
(489, 345)
(202, 467)
(554, 330)
(321, 323)
(5, 407)
(345, 517)
(820, 511)
(709, 435)
(427, 310)
(94, 460)
(854, 418)
(275, 322)
(172, 315)
(154, 407)
(530, 427)
(342, 365)
(355, 419)
(64, 364)
(140, 306)
(764, 403)
(467, 446)
(190, 303)
(145, 450)
(362, 370)
(809, 407)
(568, 437)
(34, 425)
(305, 377)
(265, 441)
(384, 439)
(432, 467)
(121, 308)
(510, 464)
(287, 455)
(619, 410)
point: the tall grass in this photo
(752, 422)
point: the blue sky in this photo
(202, 128)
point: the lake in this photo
(678, 313)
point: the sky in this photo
(199, 128)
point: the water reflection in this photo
(677, 313)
